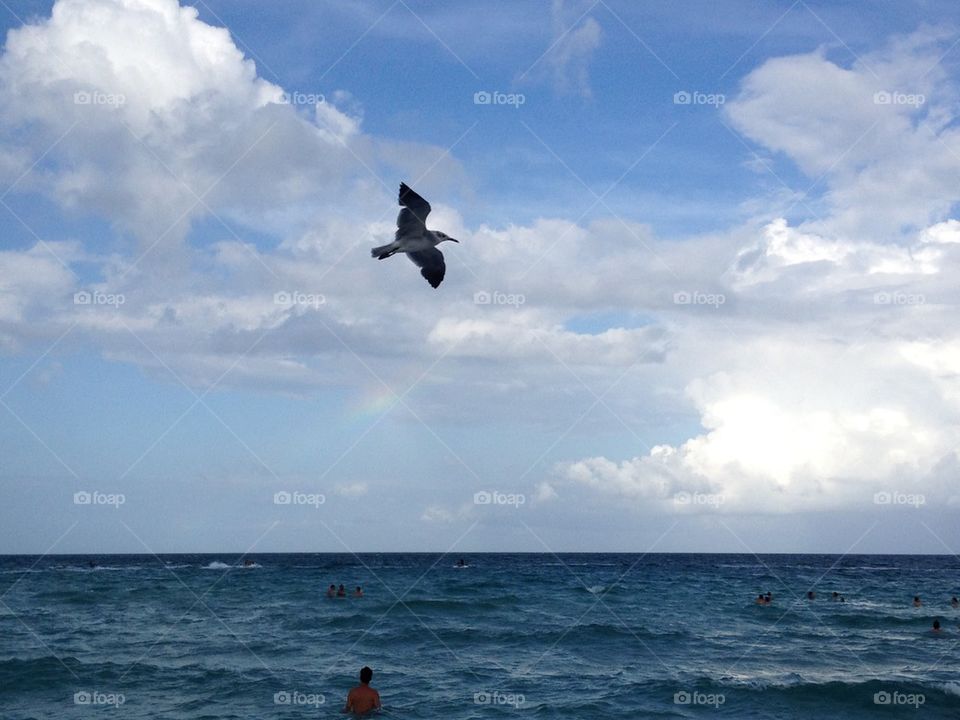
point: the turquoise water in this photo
(533, 636)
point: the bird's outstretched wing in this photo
(431, 264)
(412, 219)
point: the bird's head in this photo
(443, 236)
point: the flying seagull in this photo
(415, 240)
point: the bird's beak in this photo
(455, 240)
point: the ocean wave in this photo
(216, 565)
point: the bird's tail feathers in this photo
(384, 251)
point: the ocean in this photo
(510, 635)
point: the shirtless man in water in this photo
(363, 698)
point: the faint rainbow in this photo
(370, 405)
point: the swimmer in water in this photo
(358, 592)
(332, 591)
(835, 596)
(341, 591)
(92, 564)
(769, 598)
(248, 563)
(363, 698)
(760, 600)
(936, 626)
(811, 595)
(917, 602)
(954, 603)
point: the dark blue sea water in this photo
(533, 636)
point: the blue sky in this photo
(721, 325)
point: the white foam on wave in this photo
(216, 565)
(98, 568)
(952, 688)
(596, 589)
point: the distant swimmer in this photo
(842, 599)
(760, 600)
(811, 595)
(461, 563)
(341, 591)
(92, 565)
(954, 603)
(332, 591)
(936, 626)
(358, 592)
(835, 596)
(917, 602)
(363, 698)
(769, 598)
(248, 563)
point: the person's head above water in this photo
(936, 624)
(366, 675)
(811, 594)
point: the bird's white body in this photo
(411, 243)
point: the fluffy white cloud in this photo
(151, 118)
(806, 424)
(831, 375)
(878, 134)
